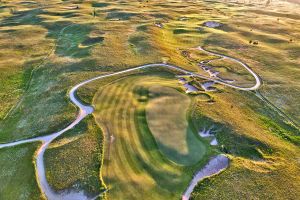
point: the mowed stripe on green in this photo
(108, 118)
(136, 168)
(123, 151)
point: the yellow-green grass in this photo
(17, 174)
(19, 55)
(118, 49)
(274, 58)
(135, 166)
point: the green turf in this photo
(166, 112)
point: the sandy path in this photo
(86, 110)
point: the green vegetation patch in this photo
(17, 174)
(183, 31)
(140, 44)
(44, 101)
(160, 16)
(92, 41)
(73, 161)
(286, 131)
(26, 17)
(61, 14)
(71, 38)
(142, 28)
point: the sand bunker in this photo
(212, 24)
(213, 167)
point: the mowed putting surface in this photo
(166, 114)
(138, 163)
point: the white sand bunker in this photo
(213, 167)
(209, 133)
(72, 196)
(212, 24)
(190, 88)
(214, 142)
(206, 133)
(207, 86)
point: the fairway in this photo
(139, 163)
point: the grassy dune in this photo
(135, 164)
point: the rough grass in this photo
(18, 61)
(233, 71)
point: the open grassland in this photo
(24, 55)
(137, 163)
(48, 46)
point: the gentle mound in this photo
(167, 120)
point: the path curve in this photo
(258, 80)
(85, 110)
